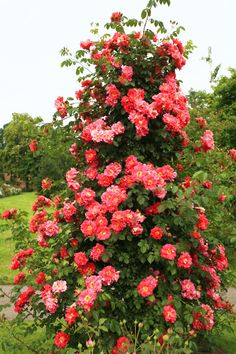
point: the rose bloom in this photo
(63, 252)
(168, 251)
(87, 195)
(196, 234)
(86, 270)
(46, 183)
(80, 258)
(109, 275)
(232, 153)
(33, 145)
(202, 123)
(90, 155)
(41, 278)
(207, 184)
(61, 339)
(19, 278)
(86, 44)
(207, 141)
(184, 260)
(59, 286)
(202, 223)
(97, 252)
(9, 214)
(120, 344)
(146, 286)
(169, 313)
(50, 228)
(116, 16)
(156, 233)
(94, 282)
(222, 197)
(87, 298)
(88, 228)
(103, 233)
(71, 315)
(74, 242)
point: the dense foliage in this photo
(123, 259)
(218, 107)
(47, 157)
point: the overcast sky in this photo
(32, 32)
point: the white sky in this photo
(32, 32)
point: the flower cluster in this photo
(122, 345)
(204, 318)
(19, 260)
(188, 290)
(207, 141)
(61, 106)
(173, 103)
(23, 299)
(50, 301)
(9, 214)
(99, 131)
(140, 112)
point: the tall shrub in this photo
(121, 263)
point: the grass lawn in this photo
(23, 202)
(226, 340)
(14, 339)
(20, 339)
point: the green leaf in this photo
(200, 175)
(144, 14)
(103, 328)
(151, 258)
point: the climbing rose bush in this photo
(126, 240)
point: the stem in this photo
(145, 23)
(149, 7)
(136, 337)
(154, 349)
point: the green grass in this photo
(23, 202)
(226, 340)
(15, 339)
(21, 339)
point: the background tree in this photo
(17, 162)
(54, 144)
(51, 159)
(219, 108)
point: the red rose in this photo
(169, 313)
(61, 339)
